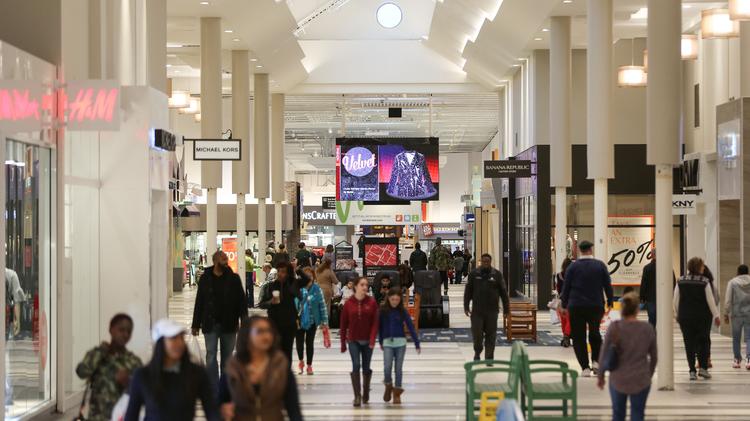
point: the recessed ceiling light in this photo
(516, 65)
(567, 1)
(687, 6)
(236, 39)
(169, 65)
(177, 71)
(538, 39)
(228, 31)
(253, 59)
(425, 37)
(545, 29)
(641, 14)
(389, 15)
(205, 3)
(259, 67)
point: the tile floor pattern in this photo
(434, 381)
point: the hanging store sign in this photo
(357, 213)
(217, 149)
(87, 105)
(329, 202)
(507, 169)
(316, 215)
(684, 204)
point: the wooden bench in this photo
(520, 323)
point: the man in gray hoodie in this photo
(737, 307)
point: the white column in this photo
(745, 59)
(559, 127)
(663, 133)
(262, 158)
(241, 130)
(599, 112)
(277, 161)
(211, 120)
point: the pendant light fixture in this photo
(179, 99)
(631, 76)
(739, 9)
(689, 47)
(716, 23)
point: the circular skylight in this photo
(389, 15)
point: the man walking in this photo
(648, 288)
(440, 259)
(304, 259)
(737, 309)
(418, 258)
(485, 288)
(586, 282)
(219, 305)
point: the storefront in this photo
(528, 233)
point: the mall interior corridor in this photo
(434, 381)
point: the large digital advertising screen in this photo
(387, 170)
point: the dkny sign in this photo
(507, 169)
(684, 204)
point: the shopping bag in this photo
(326, 337)
(554, 318)
(118, 412)
(194, 347)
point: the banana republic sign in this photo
(507, 169)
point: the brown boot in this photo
(356, 386)
(397, 391)
(366, 387)
(387, 394)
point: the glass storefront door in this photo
(29, 197)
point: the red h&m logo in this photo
(88, 105)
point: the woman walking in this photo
(108, 368)
(258, 384)
(359, 327)
(330, 255)
(170, 385)
(634, 343)
(393, 319)
(695, 308)
(278, 298)
(311, 309)
(326, 279)
(562, 315)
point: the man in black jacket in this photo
(648, 288)
(278, 299)
(484, 290)
(219, 305)
(418, 258)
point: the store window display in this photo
(28, 276)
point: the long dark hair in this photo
(386, 306)
(243, 354)
(155, 374)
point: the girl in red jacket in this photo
(358, 330)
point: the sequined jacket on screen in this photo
(410, 180)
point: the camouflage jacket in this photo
(100, 368)
(440, 258)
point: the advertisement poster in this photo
(387, 170)
(630, 247)
(359, 213)
(344, 253)
(380, 254)
(229, 246)
(357, 173)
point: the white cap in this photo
(166, 328)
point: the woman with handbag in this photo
(629, 354)
(311, 309)
(107, 370)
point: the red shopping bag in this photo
(326, 337)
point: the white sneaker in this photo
(586, 372)
(595, 368)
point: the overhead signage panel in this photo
(359, 213)
(217, 149)
(329, 202)
(507, 169)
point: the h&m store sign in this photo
(29, 106)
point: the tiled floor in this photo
(434, 380)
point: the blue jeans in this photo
(214, 339)
(738, 325)
(360, 350)
(391, 355)
(620, 402)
